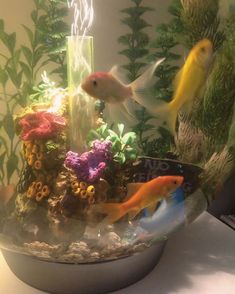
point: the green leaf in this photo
(34, 16)
(12, 165)
(120, 129)
(9, 126)
(12, 42)
(134, 24)
(3, 77)
(117, 145)
(113, 135)
(135, 53)
(103, 130)
(28, 54)
(1, 25)
(29, 34)
(26, 69)
(129, 138)
(12, 75)
(120, 158)
(136, 11)
(2, 163)
(16, 57)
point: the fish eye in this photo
(94, 83)
(175, 182)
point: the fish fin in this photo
(114, 211)
(141, 87)
(119, 114)
(168, 113)
(133, 213)
(119, 74)
(152, 208)
(132, 188)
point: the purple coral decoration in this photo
(90, 165)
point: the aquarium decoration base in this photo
(95, 278)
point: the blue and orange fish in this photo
(147, 195)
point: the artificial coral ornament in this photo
(40, 125)
(90, 166)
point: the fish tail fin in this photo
(141, 87)
(168, 114)
(114, 212)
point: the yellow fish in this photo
(147, 194)
(189, 82)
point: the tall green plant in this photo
(163, 46)
(20, 68)
(53, 31)
(137, 48)
(137, 40)
(200, 20)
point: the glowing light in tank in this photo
(83, 15)
(55, 94)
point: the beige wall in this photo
(106, 28)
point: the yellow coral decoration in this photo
(83, 185)
(39, 196)
(31, 159)
(38, 164)
(39, 186)
(91, 191)
(45, 191)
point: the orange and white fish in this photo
(109, 88)
(147, 195)
(189, 82)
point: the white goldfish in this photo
(120, 97)
(107, 87)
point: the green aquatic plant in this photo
(11, 75)
(138, 48)
(20, 67)
(213, 112)
(124, 146)
(163, 46)
(200, 20)
(136, 41)
(53, 31)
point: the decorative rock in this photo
(79, 248)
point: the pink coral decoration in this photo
(40, 125)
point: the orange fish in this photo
(147, 195)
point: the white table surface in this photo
(199, 259)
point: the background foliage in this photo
(20, 69)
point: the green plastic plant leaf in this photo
(3, 77)
(9, 126)
(129, 138)
(12, 165)
(120, 129)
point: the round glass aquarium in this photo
(98, 168)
